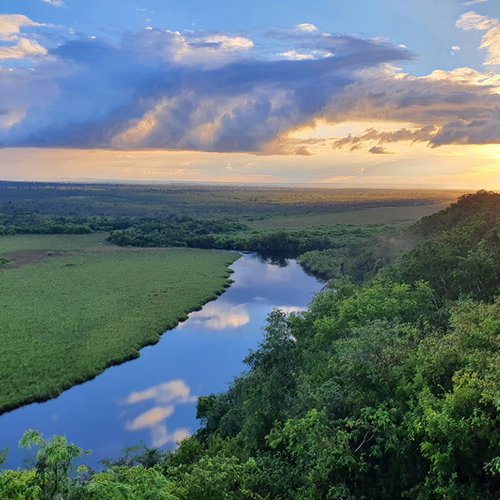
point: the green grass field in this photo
(374, 215)
(65, 318)
(53, 242)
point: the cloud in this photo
(491, 39)
(186, 91)
(473, 21)
(228, 42)
(291, 309)
(293, 55)
(12, 24)
(55, 3)
(379, 150)
(424, 134)
(10, 118)
(474, 2)
(445, 107)
(23, 48)
(306, 27)
(220, 92)
(17, 44)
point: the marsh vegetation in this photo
(74, 305)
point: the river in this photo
(152, 399)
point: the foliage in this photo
(387, 388)
(129, 482)
(461, 259)
(54, 461)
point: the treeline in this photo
(231, 235)
(468, 238)
(360, 260)
(31, 223)
(387, 388)
(175, 231)
(206, 233)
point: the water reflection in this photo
(174, 391)
(150, 418)
(153, 398)
(219, 316)
(292, 309)
(167, 396)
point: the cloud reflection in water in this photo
(173, 391)
(167, 396)
(219, 316)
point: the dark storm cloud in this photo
(162, 89)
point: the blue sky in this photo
(426, 26)
(351, 86)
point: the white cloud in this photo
(10, 118)
(188, 48)
(291, 309)
(307, 27)
(491, 39)
(473, 21)
(474, 2)
(293, 55)
(55, 3)
(455, 49)
(23, 48)
(230, 42)
(18, 45)
(491, 42)
(11, 25)
(154, 420)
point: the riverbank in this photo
(72, 307)
(152, 399)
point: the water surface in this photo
(153, 398)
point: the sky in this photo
(338, 93)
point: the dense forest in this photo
(387, 387)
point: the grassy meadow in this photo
(361, 216)
(52, 242)
(78, 305)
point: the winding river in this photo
(152, 399)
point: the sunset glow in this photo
(150, 97)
